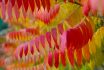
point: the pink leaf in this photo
(42, 40)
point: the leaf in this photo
(26, 4)
(6, 1)
(86, 53)
(43, 3)
(26, 49)
(19, 3)
(63, 57)
(32, 5)
(9, 10)
(48, 37)
(70, 53)
(38, 4)
(21, 52)
(48, 4)
(54, 35)
(42, 40)
(12, 2)
(50, 59)
(79, 56)
(17, 13)
(37, 43)
(56, 58)
(3, 10)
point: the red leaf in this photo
(6, 1)
(3, 10)
(19, 3)
(13, 2)
(33, 31)
(54, 35)
(48, 37)
(46, 18)
(42, 40)
(63, 57)
(26, 50)
(56, 10)
(56, 58)
(32, 5)
(70, 53)
(71, 1)
(21, 52)
(32, 49)
(51, 13)
(26, 4)
(50, 59)
(24, 12)
(14, 35)
(79, 37)
(85, 33)
(57, 46)
(9, 10)
(37, 43)
(65, 1)
(79, 56)
(71, 38)
(17, 13)
(43, 3)
(88, 25)
(60, 28)
(37, 3)
(48, 4)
